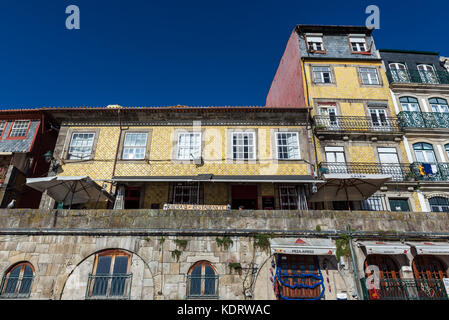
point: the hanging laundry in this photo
(427, 168)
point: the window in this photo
(288, 198)
(243, 146)
(322, 74)
(17, 281)
(378, 117)
(427, 73)
(424, 152)
(287, 145)
(2, 127)
(399, 204)
(439, 204)
(389, 160)
(19, 129)
(202, 281)
(110, 278)
(374, 203)
(135, 145)
(186, 193)
(399, 72)
(409, 104)
(446, 147)
(439, 105)
(81, 146)
(329, 113)
(335, 157)
(189, 146)
(369, 76)
(315, 43)
(358, 44)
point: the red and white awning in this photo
(441, 248)
(385, 247)
(303, 246)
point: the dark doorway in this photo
(244, 196)
(132, 197)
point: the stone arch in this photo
(74, 287)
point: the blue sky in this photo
(157, 53)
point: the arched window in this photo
(429, 272)
(389, 277)
(110, 278)
(17, 281)
(399, 72)
(202, 281)
(409, 104)
(439, 204)
(427, 73)
(439, 105)
(424, 152)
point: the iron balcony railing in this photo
(16, 287)
(405, 289)
(417, 76)
(117, 286)
(398, 171)
(430, 171)
(202, 286)
(356, 124)
(417, 119)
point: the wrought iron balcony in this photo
(434, 172)
(356, 124)
(16, 287)
(417, 119)
(417, 76)
(202, 286)
(405, 289)
(117, 286)
(399, 171)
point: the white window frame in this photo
(360, 44)
(368, 72)
(17, 128)
(253, 146)
(318, 75)
(194, 151)
(297, 146)
(313, 42)
(144, 147)
(86, 156)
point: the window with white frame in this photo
(287, 145)
(358, 44)
(315, 43)
(322, 74)
(369, 76)
(2, 126)
(427, 73)
(81, 146)
(135, 145)
(19, 128)
(243, 146)
(189, 145)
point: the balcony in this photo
(417, 119)
(117, 286)
(406, 289)
(399, 171)
(202, 286)
(435, 172)
(333, 126)
(417, 76)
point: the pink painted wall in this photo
(287, 89)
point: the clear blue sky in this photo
(146, 53)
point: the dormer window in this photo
(358, 44)
(315, 44)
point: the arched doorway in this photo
(390, 286)
(429, 272)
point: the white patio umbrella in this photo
(69, 190)
(349, 187)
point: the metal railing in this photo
(398, 171)
(406, 289)
(356, 124)
(417, 119)
(117, 286)
(202, 286)
(16, 287)
(430, 171)
(417, 76)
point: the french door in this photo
(389, 162)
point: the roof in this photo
(333, 28)
(409, 51)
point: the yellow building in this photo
(244, 157)
(338, 73)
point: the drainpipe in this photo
(354, 265)
(118, 146)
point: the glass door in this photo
(378, 118)
(330, 116)
(389, 163)
(336, 161)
